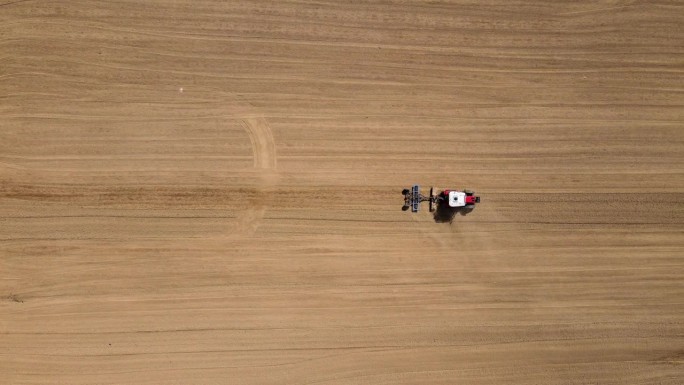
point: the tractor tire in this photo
(405, 191)
(469, 192)
(404, 208)
(469, 207)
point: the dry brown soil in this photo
(208, 192)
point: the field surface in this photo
(209, 192)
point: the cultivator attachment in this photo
(413, 198)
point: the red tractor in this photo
(455, 199)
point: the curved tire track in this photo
(265, 161)
(263, 145)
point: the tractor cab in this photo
(456, 198)
(465, 198)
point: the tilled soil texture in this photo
(206, 192)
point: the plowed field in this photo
(207, 192)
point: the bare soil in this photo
(205, 192)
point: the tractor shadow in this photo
(445, 214)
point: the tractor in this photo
(453, 199)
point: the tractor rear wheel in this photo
(405, 191)
(469, 207)
(469, 192)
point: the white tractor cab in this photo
(460, 198)
(456, 198)
(453, 198)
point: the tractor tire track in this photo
(265, 162)
(263, 145)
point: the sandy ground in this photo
(206, 192)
